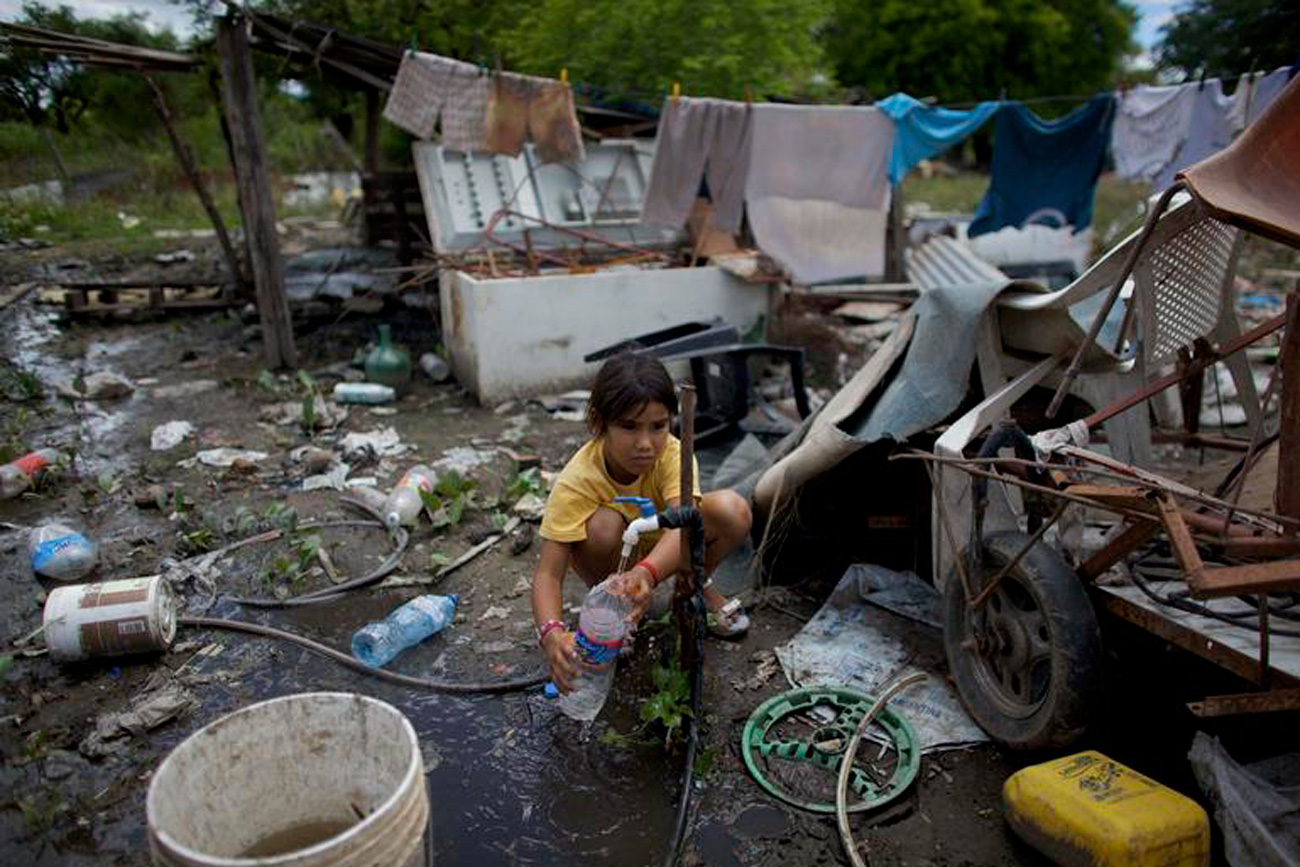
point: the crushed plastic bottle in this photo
(363, 392)
(602, 626)
(57, 551)
(402, 508)
(19, 475)
(377, 643)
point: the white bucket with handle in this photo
(312, 780)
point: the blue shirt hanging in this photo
(921, 131)
(1045, 171)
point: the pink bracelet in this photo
(545, 629)
(650, 567)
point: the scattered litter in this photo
(328, 415)
(175, 256)
(503, 408)
(335, 478)
(127, 220)
(150, 497)
(100, 385)
(383, 410)
(847, 644)
(149, 711)
(363, 392)
(224, 457)
(522, 586)
(381, 443)
(170, 435)
(570, 406)
(184, 389)
(411, 580)
(313, 459)
(767, 666)
(495, 612)
(434, 367)
(522, 540)
(463, 459)
(530, 507)
(900, 592)
(505, 645)
(367, 493)
(1257, 806)
(57, 551)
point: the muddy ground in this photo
(512, 782)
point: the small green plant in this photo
(19, 385)
(671, 702)
(520, 484)
(40, 811)
(449, 499)
(310, 419)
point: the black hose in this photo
(357, 665)
(694, 522)
(1191, 607)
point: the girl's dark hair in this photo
(625, 383)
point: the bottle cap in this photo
(550, 690)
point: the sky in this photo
(163, 13)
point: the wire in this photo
(469, 687)
(1182, 604)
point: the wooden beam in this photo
(186, 158)
(1281, 576)
(239, 99)
(1286, 498)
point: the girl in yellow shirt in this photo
(631, 454)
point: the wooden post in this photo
(684, 589)
(372, 131)
(894, 240)
(239, 98)
(186, 159)
(1287, 496)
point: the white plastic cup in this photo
(114, 618)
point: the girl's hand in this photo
(561, 658)
(637, 584)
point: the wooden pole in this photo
(186, 158)
(372, 131)
(1287, 496)
(684, 589)
(239, 98)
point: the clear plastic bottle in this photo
(402, 508)
(18, 475)
(377, 643)
(57, 551)
(363, 392)
(602, 626)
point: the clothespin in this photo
(677, 90)
(564, 74)
(749, 95)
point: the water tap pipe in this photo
(647, 522)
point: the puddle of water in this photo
(760, 821)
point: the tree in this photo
(965, 50)
(1229, 37)
(641, 47)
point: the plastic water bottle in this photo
(602, 626)
(377, 643)
(363, 392)
(61, 553)
(18, 475)
(403, 505)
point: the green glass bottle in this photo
(388, 363)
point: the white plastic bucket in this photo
(111, 618)
(338, 775)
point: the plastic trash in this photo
(19, 475)
(434, 367)
(402, 508)
(60, 552)
(388, 363)
(377, 643)
(363, 392)
(602, 626)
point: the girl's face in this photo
(634, 442)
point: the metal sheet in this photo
(1231, 647)
(601, 195)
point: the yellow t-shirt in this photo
(585, 485)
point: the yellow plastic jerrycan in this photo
(1087, 810)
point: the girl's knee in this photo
(727, 513)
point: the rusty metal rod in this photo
(993, 584)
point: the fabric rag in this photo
(922, 131)
(1045, 168)
(428, 87)
(699, 138)
(818, 189)
(1151, 124)
(523, 105)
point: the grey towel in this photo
(699, 138)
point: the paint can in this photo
(112, 618)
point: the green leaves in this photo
(671, 701)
